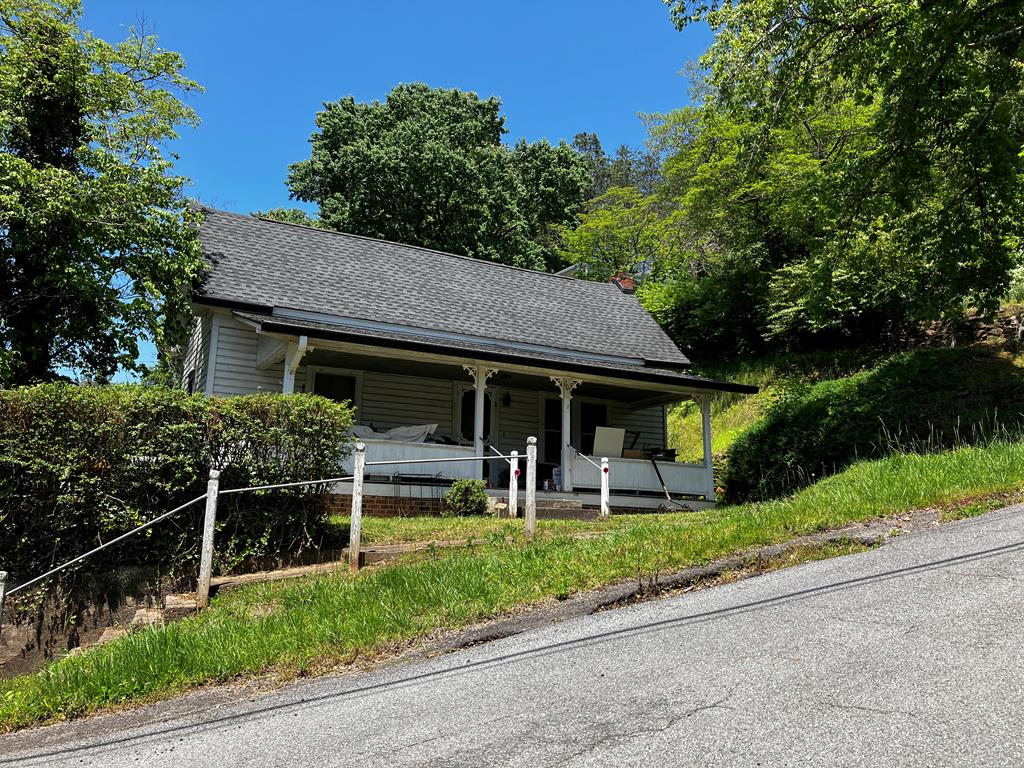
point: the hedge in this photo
(922, 400)
(80, 465)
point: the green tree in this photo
(428, 167)
(97, 245)
(624, 230)
(926, 214)
(629, 168)
(288, 216)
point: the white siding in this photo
(649, 422)
(235, 371)
(391, 400)
(516, 421)
(196, 354)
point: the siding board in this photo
(391, 400)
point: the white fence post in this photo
(531, 486)
(605, 505)
(3, 591)
(209, 523)
(513, 484)
(355, 527)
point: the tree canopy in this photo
(96, 242)
(428, 167)
(850, 168)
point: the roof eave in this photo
(498, 357)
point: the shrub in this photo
(927, 399)
(466, 497)
(81, 465)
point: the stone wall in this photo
(1005, 330)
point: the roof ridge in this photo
(473, 259)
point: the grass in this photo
(729, 418)
(397, 530)
(316, 623)
(732, 414)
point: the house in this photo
(452, 356)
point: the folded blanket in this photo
(414, 434)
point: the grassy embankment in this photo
(316, 623)
(784, 375)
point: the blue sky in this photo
(559, 67)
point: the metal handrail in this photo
(285, 485)
(508, 459)
(110, 543)
(213, 493)
(439, 461)
(164, 516)
(581, 453)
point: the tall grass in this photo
(309, 624)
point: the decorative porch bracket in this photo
(292, 357)
(480, 374)
(566, 385)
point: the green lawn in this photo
(314, 623)
(396, 530)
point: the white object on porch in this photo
(639, 475)
(391, 450)
(608, 441)
(415, 433)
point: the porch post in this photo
(566, 386)
(293, 355)
(709, 470)
(480, 374)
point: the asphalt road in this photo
(911, 655)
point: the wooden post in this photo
(606, 509)
(293, 355)
(709, 469)
(3, 592)
(513, 484)
(480, 374)
(531, 487)
(209, 523)
(565, 388)
(355, 529)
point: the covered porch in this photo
(474, 407)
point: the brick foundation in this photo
(404, 506)
(386, 506)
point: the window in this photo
(552, 431)
(468, 412)
(336, 386)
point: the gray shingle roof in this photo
(263, 263)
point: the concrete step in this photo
(559, 504)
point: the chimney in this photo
(625, 282)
